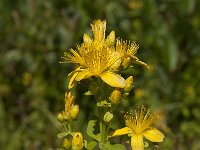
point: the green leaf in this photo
(103, 104)
(62, 134)
(109, 146)
(91, 145)
(90, 130)
(88, 93)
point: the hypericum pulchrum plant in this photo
(100, 60)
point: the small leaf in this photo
(90, 130)
(103, 104)
(62, 134)
(109, 146)
(91, 145)
(88, 93)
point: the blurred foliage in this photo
(34, 34)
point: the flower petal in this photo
(122, 131)
(86, 39)
(113, 79)
(137, 61)
(137, 142)
(76, 58)
(154, 135)
(71, 81)
(83, 75)
(110, 40)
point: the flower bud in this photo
(115, 97)
(126, 63)
(66, 144)
(65, 115)
(77, 141)
(60, 117)
(108, 117)
(116, 65)
(129, 84)
(74, 112)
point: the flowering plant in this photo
(101, 60)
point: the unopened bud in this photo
(108, 117)
(74, 112)
(129, 84)
(66, 144)
(60, 117)
(66, 115)
(126, 62)
(77, 141)
(69, 97)
(116, 65)
(115, 97)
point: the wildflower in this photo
(128, 50)
(139, 126)
(100, 57)
(95, 57)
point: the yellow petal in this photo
(83, 75)
(121, 131)
(110, 40)
(114, 61)
(76, 70)
(137, 142)
(76, 58)
(115, 65)
(71, 81)
(154, 135)
(137, 61)
(113, 79)
(87, 39)
(98, 29)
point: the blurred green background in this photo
(35, 33)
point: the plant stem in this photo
(103, 126)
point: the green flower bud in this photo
(60, 117)
(66, 144)
(74, 112)
(129, 84)
(108, 117)
(77, 141)
(115, 97)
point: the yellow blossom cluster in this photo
(102, 57)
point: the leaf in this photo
(90, 130)
(103, 104)
(109, 146)
(88, 93)
(62, 134)
(91, 145)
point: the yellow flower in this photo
(100, 57)
(128, 50)
(95, 57)
(139, 126)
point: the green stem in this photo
(103, 126)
